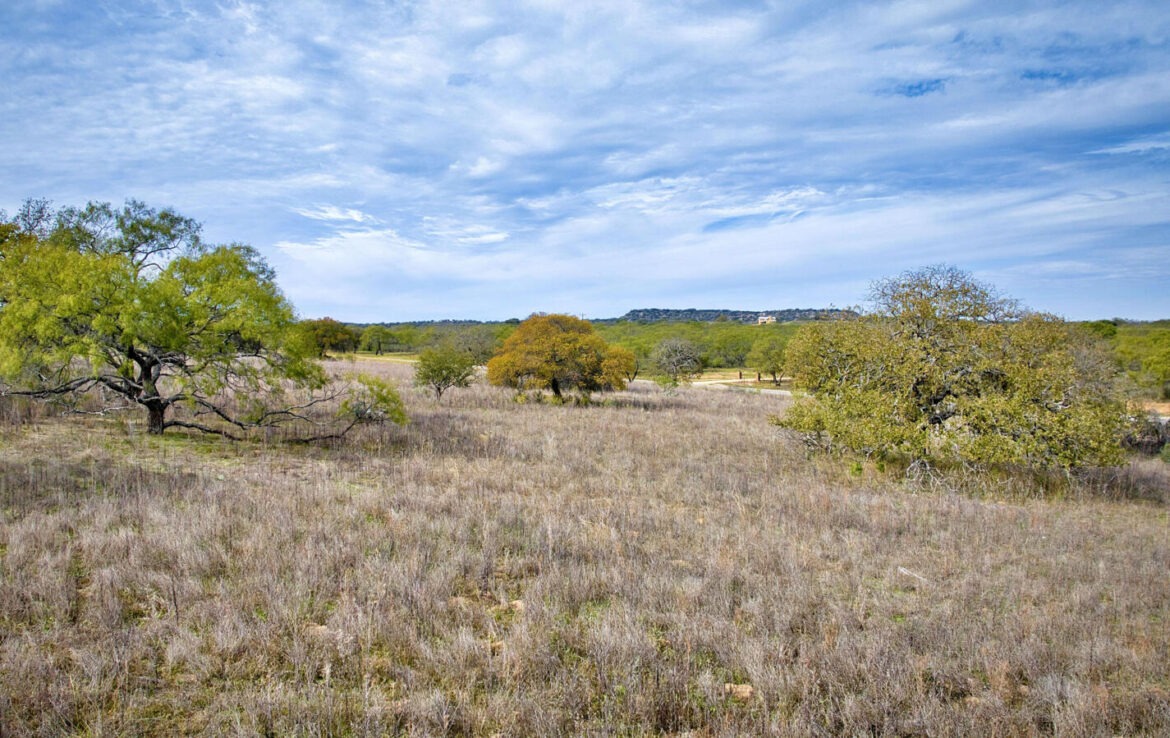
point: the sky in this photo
(489, 159)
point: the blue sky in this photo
(415, 160)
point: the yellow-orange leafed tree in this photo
(559, 353)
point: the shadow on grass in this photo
(1142, 480)
(44, 484)
(1145, 480)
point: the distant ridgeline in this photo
(656, 315)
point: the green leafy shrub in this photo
(944, 371)
(375, 400)
(442, 367)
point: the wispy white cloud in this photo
(334, 213)
(1143, 145)
(601, 154)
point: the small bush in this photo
(676, 360)
(443, 367)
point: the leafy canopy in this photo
(328, 335)
(620, 363)
(944, 370)
(1144, 353)
(132, 302)
(767, 355)
(559, 352)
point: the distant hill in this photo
(656, 315)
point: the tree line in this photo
(1140, 351)
(713, 345)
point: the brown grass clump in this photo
(655, 564)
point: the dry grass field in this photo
(654, 564)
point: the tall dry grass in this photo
(666, 564)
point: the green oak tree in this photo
(376, 338)
(328, 335)
(945, 371)
(767, 356)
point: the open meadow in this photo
(654, 563)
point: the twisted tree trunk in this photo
(155, 413)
